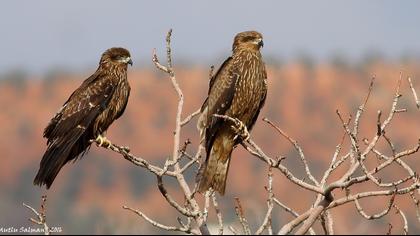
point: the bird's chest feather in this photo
(250, 88)
(117, 104)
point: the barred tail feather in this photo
(217, 167)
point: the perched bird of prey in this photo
(238, 90)
(86, 115)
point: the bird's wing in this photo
(123, 102)
(220, 98)
(219, 71)
(213, 78)
(261, 102)
(260, 106)
(82, 107)
(67, 132)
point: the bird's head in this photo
(118, 56)
(248, 39)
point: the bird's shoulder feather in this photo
(88, 100)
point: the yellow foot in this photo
(241, 131)
(103, 141)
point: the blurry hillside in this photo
(87, 196)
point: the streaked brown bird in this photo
(86, 115)
(238, 90)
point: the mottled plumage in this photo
(238, 89)
(87, 114)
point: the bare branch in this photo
(270, 204)
(416, 99)
(138, 161)
(376, 216)
(218, 213)
(171, 201)
(292, 212)
(324, 224)
(334, 164)
(241, 216)
(362, 108)
(315, 213)
(416, 205)
(158, 225)
(41, 215)
(330, 223)
(389, 232)
(287, 228)
(206, 205)
(298, 149)
(255, 150)
(404, 219)
(190, 117)
(358, 196)
(270, 227)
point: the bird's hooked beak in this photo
(126, 60)
(259, 42)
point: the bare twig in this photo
(389, 232)
(376, 216)
(190, 117)
(334, 163)
(169, 70)
(414, 93)
(298, 149)
(255, 150)
(171, 201)
(362, 195)
(404, 219)
(157, 224)
(41, 215)
(138, 161)
(218, 213)
(416, 205)
(270, 204)
(241, 216)
(362, 108)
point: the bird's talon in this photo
(99, 141)
(103, 142)
(241, 131)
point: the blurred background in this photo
(320, 57)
